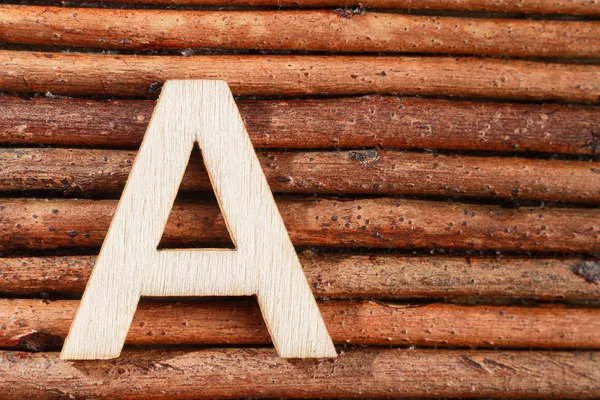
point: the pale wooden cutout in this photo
(264, 262)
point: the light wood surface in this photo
(263, 263)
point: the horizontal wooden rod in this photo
(357, 373)
(377, 223)
(86, 172)
(41, 325)
(573, 7)
(132, 75)
(318, 30)
(350, 7)
(360, 276)
(368, 121)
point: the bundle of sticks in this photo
(435, 163)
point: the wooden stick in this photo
(92, 172)
(296, 30)
(364, 373)
(360, 276)
(575, 7)
(322, 123)
(130, 75)
(39, 325)
(378, 223)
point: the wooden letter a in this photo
(263, 263)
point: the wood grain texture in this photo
(322, 30)
(359, 373)
(32, 226)
(104, 172)
(378, 223)
(574, 7)
(130, 75)
(263, 263)
(42, 325)
(369, 121)
(363, 276)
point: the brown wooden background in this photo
(435, 163)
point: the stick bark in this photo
(363, 276)
(377, 223)
(369, 121)
(131, 75)
(319, 30)
(39, 325)
(104, 172)
(357, 373)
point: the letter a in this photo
(263, 263)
